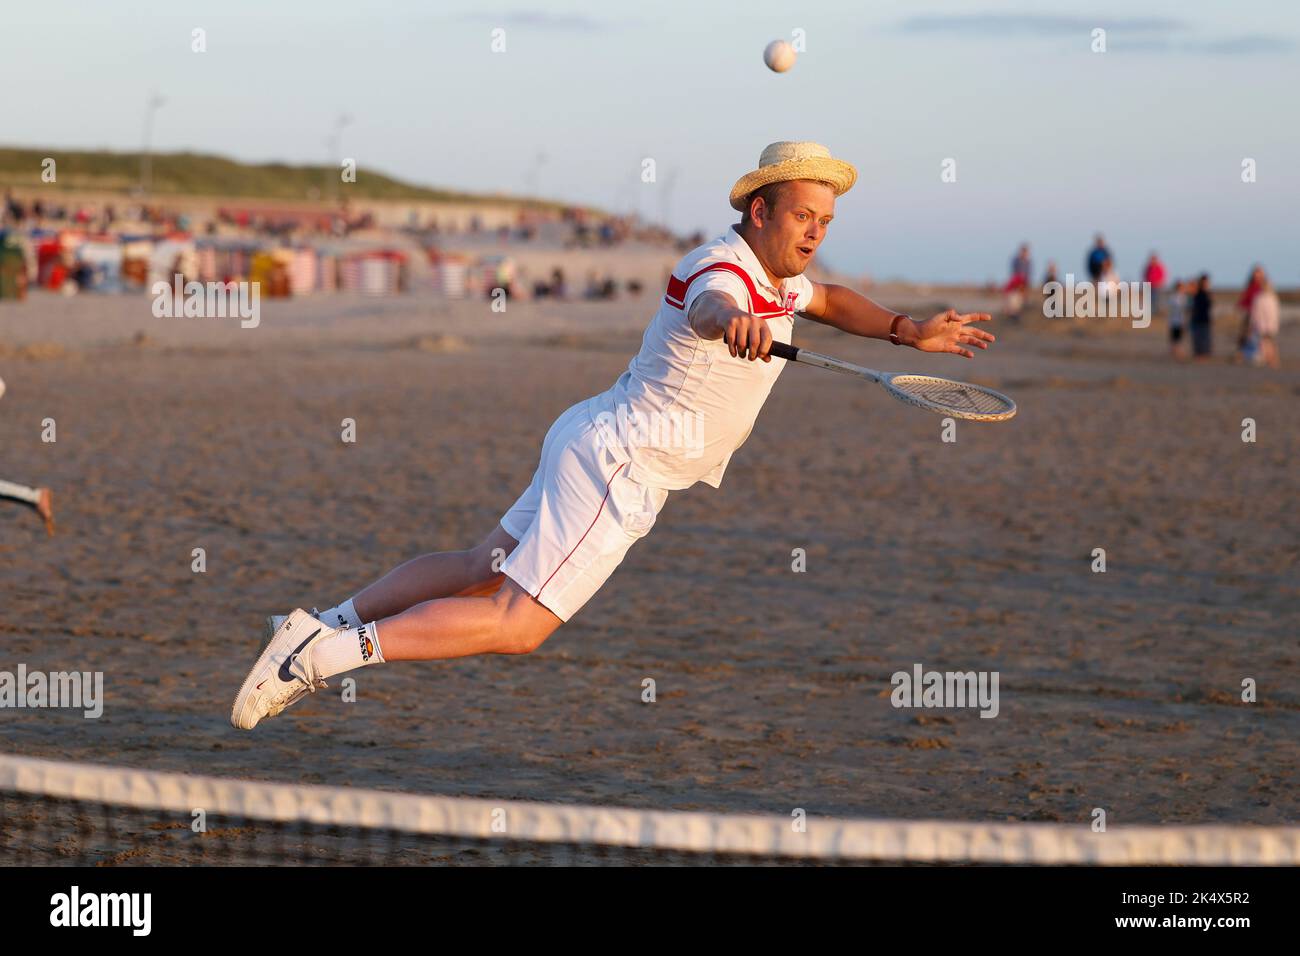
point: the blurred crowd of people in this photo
(154, 218)
(503, 273)
(567, 227)
(38, 214)
(1258, 314)
(1186, 302)
(109, 245)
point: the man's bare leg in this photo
(302, 654)
(432, 576)
(510, 622)
(39, 498)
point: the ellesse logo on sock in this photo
(367, 648)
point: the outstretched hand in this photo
(951, 331)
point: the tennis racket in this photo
(942, 395)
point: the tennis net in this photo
(54, 812)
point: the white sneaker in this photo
(274, 621)
(284, 673)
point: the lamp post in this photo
(335, 143)
(146, 158)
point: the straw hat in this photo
(782, 162)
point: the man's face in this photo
(791, 229)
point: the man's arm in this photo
(848, 311)
(715, 315)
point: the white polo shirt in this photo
(685, 404)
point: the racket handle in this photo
(781, 350)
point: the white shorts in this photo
(578, 517)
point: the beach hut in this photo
(171, 256)
(453, 276)
(207, 256)
(13, 266)
(374, 276)
(100, 261)
(376, 272)
(302, 271)
(50, 267)
(270, 274)
(383, 272)
(349, 273)
(136, 254)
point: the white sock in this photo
(20, 492)
(345, 615)
(347, 650)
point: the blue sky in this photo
(1052, 141)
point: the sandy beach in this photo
(1118, 690)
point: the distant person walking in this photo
(1155, 274)
(1018, 284)
(1247, 343)
(1097, 258)
(1201, 315)
(1178, 293)
(1265, 312)
(1022, 266)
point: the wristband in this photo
(893, 328)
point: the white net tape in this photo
(775, 835)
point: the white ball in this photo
(779, 56)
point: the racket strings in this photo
(957, 397)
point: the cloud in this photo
(1145, 34)
(1034, 24)
(539, 20)
(1243, 45)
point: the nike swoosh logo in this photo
(285, 674)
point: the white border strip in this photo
(897, 840)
